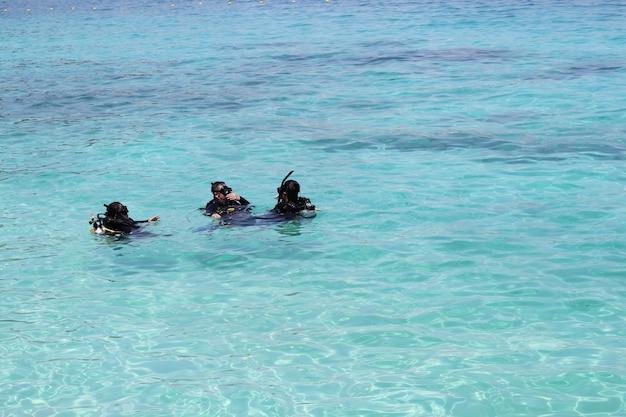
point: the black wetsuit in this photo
(294, 207)
(217, 207)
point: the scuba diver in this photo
(115, 221)
(229, 207)
(289, 203)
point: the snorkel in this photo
(280, 189)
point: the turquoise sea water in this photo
(467, 157)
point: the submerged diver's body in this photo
(117, 222)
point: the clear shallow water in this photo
(467, 157)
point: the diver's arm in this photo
(211, 210)
(150, 220)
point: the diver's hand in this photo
(154, 218)
(216, 216)
(233, 197)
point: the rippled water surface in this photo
(467, 159)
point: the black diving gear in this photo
(226, 190)
(115, 221)
(288, 200)
(230, 206)
(294, 207)
(224, 206)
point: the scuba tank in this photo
(96, 224)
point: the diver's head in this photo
(116, 210)
(220, 190)
(289, 190)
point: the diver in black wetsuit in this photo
(225, 202)
(116, 221)
(289, 203)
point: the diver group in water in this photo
(226, 206)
